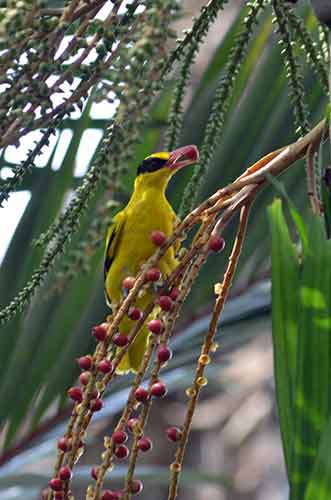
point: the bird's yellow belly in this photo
(136, 247)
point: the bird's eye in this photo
(151, 165)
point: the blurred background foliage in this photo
(38, 347)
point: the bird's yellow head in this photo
(158, 168)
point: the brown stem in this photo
(199, 380)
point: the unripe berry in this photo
(164, 354)
(158, 238)
(153, 274)
(119, 437)
(75, 394)
(145, 444)
(65, 473)
(85, 362)
(100, 332)
(155, 326)
(134, 313)
(121, 340)
(136, 486)
(105, 366)
(141, 394)
(84, 378)
(110, 495)
(56, 484)
(174, 434)
(121, 451)
(96, 404)
(216, 243)
(159, 389)
(165, 303)
(128, 282)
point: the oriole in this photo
(128, 242)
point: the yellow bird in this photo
(129, 244)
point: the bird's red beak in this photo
(181, 157)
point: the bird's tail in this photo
(132, 359)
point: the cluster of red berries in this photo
(136, 487)
(216, 243)
(57, 483)
(76, 393)
(158, 390)
(99, 332)
(121, 451)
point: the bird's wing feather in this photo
(113, 236)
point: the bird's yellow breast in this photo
(144, 213)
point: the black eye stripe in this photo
(151, 165)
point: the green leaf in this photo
(285, 305)
(319, 486)
(297, 219)
(301, 317)
(312, 394)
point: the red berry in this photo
(174, 293)
(63, 444)
(119, 437)
(100, 332)
(121, 451)
(153, 274)
(105, 366)
(56, 484)
(58, 495)
(76, 394)
(164, 354)
(121, 340)
(84, 378)
(136, 486)
(155, 326)
(159, 389)
(174, 434)
(94, 473)
(216, 243)
(165, 303)
(65, 473)
(132, 422)
(141, 394)
(134, 313)
(145, 444)
(128, 282)
(96, 404)
(158, 238)
(85, 362)
(110, 495)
